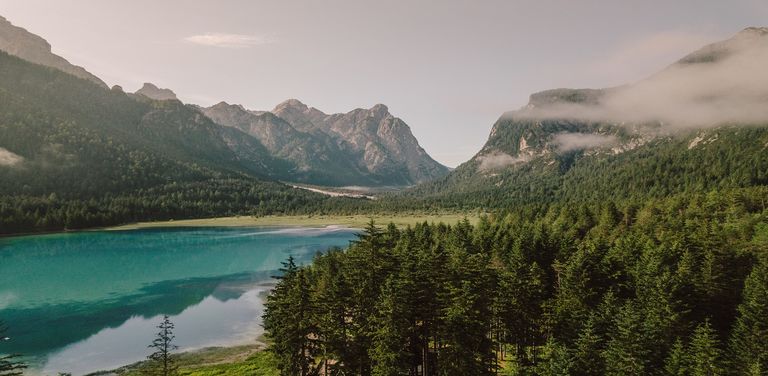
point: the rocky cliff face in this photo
(153, 92)
(670, 126)
(723, 83)
(314, 159)
(383, 143)
(361, 147)
(19, 42)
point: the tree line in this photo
(677, 286)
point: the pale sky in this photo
(448, 68)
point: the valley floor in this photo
(401, 220)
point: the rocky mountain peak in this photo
(379, 110)
(291, 104)
(151, 91)
(224, 106)
(21, 43)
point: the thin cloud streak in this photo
(580, 141)
(224, 40)
(498, 160)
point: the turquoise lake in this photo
(87, 301)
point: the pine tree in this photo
(705, 352)
(332, 296)
(677, 361)
(466, 318)
(161, 362)
(749, 342)
(586, 358)
(556, 361)
(369, 265)
(288, 321)
(626, 353)
(10, 365)
(394, 351)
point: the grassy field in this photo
(400, 220)
(219, 361)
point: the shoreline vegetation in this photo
(219, 360)
(354, 221)
(225, 360)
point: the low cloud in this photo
(224, 40)
(581, 141)
(726, 84)
(497, 160)
(639, 57)
(9, 159)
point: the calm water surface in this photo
(88, 301)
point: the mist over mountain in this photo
(703, 119)
(722, 83)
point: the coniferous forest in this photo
(616, 231)
(675, 286)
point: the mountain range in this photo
(304, 145)
(75, 153)
(362, 147)
(292, 143)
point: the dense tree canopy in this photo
(674, 286)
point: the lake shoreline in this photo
(196, 358)
(103, 312)
(314, 221)
(317, 221)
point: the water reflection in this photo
(211, 322)
(89, 301)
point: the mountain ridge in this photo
(382, 148)
(293, 142)
(590, 143)
(151, 91)
(19, 42)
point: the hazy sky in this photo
(448, 68)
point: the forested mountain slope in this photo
(70, 149)
(698, 125)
